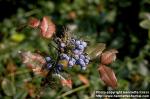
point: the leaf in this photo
(21, 94)
(47, 27)
(108, 57)
(65, 79)
(8, 87)
(145, 24)
(18, 37)
(144, 15)
(34, 62)
(97, 50)
(33, 22)
(108, 76)
(83, 79)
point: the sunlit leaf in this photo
(108, 76)
(18, 37)
(144, 15)
(145, 24)
(8, 87)
(47, 27)
(96, 52)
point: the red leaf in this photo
(108, 56)
(47, 27)
(33, 22)
(108, 76)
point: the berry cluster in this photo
(72, 51)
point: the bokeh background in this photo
(120, 24)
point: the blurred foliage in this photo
(124, 25)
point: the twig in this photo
(72, 91)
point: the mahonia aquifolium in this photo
(71, 52)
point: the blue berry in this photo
(81, 47)
(48, 59)
(59, 67)
(71, 63)
(80, 52)
(86, 61)
(64, 56)
(75, 51)
(84, 44)
(72, 59)
(77, 42)
(49, 66)
(62, 45)
(82, 57)
(81, 62)
(76, 57)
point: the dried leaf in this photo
(65, 81)
(35, 62)
(108, 76)
(8, 87)
(108, 56)
(31, 89)
(47, 27)
(83, 79)
(97, 50)
(72, 15)
(11, 67)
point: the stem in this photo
(50, 44)
(31, 12)
(72, 91)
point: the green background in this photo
(120, 24)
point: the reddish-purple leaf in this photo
(47, 27)
(108, 76)
(108, 57)
(33, 22)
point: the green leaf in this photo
(21, 94)
(97, 50)
(145, 24)
(18, 37)
(8, 87)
